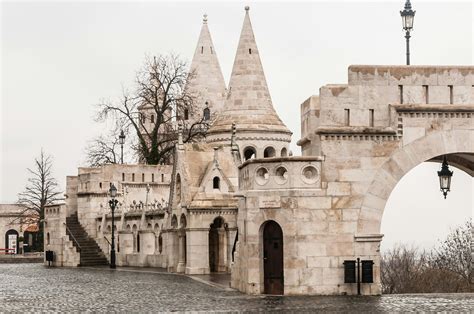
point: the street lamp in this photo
(445, 177)
(121, 141)
(408, 15)
(113, 204)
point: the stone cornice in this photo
(443, 108)
(281, 160)
(368, 237)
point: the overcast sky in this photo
(59, 59)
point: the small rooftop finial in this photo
(407, 5)
(247, 8)
(204, 18)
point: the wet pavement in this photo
(35, 288)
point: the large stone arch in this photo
(400, 162)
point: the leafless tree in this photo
(454, 254)
(41, 190)
(447, 268)
(154, 108)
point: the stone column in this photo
(231, 234)
(222, 260)
(170, 239)
(126, 247)
(197, 242)
(182, 252)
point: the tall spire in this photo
(248, 102)
(208, 82)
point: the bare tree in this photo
(152, 111)
(41, 190)
(454, 254)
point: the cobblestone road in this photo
(35, 288)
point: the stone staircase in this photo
(91, 254)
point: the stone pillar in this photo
(197, 242)
(182, 252)
(170, 240)
(126, 246)
(231, 234)
(147, 242)
(222, 260)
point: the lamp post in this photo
(408, 15)
(121, 141)
(445, 177)
(113, 204)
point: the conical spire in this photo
(208, 81)
(248, 102)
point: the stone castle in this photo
(238, 202)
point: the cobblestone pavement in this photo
(35, 288)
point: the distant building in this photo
(16, 228)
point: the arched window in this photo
(133, 177)
(186, 114)
(216, 183)
(249, 153)
(143, 177)
(269, 152)
(284, 152)
(207, 114)
(160, 244)
(123, 176)
(152, 118)
(162, 177)
(138, 242)
(47, 238)
(100, 185)
(178, 189)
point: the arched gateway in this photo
(359, 139)
(272, 258)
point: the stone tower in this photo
(208, 82)
(260, 132)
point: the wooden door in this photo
(273, 258)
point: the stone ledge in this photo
(355, 130)
(368, 237)
(432, 108)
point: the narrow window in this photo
(347, 117)
(186, 114)
(211, 51)
(371, 117)
(160, 244)
(152, 119)
(216, 183)
(202, 49)
(138, 242)
(162, 177)
(47, 238)
(400, 90)
(451, 96)
(207, 114)
(100, 185)
(250, 51)
(123, 176)
(133, 177)
(152, 177)
(426, 94)
(143, 177)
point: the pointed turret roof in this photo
(208, 81)
(248, 102)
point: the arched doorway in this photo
(11, 241)
(217, 246)
(273, 258)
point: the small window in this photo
(138, 242)
(211, 51)
(160, 244)
(152, 118)
(202, 49)
(347, 117)
(371, 117)
(207, 114)
(152, 177)
(123, 176)
(400, 91)
(451, 94)
(249, 153)
(425, 94)
(100, 185)
(162, 177)
(250, 51)
(48, 238)
(133, 177)
(143, 177)
(284, 152)
(269, 152)
(186, 114)
(216, 183)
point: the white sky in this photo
(58, 59)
